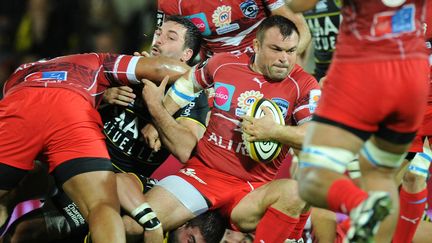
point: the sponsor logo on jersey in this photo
(314, 97)
(321, 6)
(187, 110)
(223, 95)
(249, 9)
(283, 105)
(227, 28)
(222, 16)
(160, 16)
(200, 21)
(394, 22)
(245, 100)
(53, 76)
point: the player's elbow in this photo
(184, 154)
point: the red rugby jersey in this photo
(237, 87)
(87, 74)
(370, 27)
(226, 25)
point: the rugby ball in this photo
(263, 151)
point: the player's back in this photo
(87, 74)
(371, 27)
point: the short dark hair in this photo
(211, 225)
(193, 38)
(285, 26)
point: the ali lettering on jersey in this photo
(223, 95)
(200, 21)
(228, 144)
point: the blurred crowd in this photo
(35, 29)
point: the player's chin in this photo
(278, 76)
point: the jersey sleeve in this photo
(120, 69)
(168, 7)
(196, 110)
(273, 4)
(203, 73)
(306, 104)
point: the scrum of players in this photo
(268, 155)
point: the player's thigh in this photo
(91, 189)
(169, 210)
(332, 135)
(251, 208)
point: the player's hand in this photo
(259, 129)
(152, 94)
(122, 95)
(142, 54)
(151, 137)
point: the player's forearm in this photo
(300, 5)
(289, 135)
(156, 68)
(179, 140)
(300, 23)
(305, 35)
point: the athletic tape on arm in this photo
(182, 91)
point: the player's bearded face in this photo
(276, 55)
(169, 40)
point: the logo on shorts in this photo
(200, 21)
(191, 173)
(249, 9)
(223, 95)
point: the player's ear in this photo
(187, 55)
(256, 45)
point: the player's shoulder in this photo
(301, 76)
(227, 58)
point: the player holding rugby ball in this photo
(221, 174)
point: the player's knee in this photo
(103, 207)
(132, 227)
(289, 197)
(309, 183)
